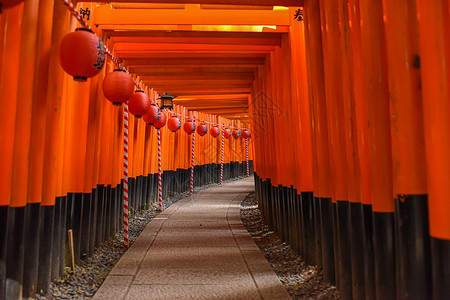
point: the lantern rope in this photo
(159, 171)
(192, 163)
(80, 19)
(221, 159)
(125, 177)
(246, 157)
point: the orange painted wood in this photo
(105, 15)
(332, 60)
(9, 74)
(226, 2)
(39, 106)
(26, 67)
(377, 98)
(407, 132)
(321, 166)
(435, 57)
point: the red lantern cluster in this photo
(202, 130)
(226, 133)
(153, 115)
(215, 131)
(174, 124)
(236, 133)
(82, 54)
(139, 104)
(161, 122)
(246, 134)
(118, 87)
(189, 127)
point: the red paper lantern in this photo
(202, 130)
(161, 122)
(139, 104)
(215, 131)
(9, 3)
(226, 133)
(236, 133)
(189, 127)
(118, 87)
(153, 115)
(246, 134)
(174, 124)
(82, 54)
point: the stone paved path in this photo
(196, 249)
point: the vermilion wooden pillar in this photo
(322, 174)
(434, 33)
(378, 117)
(355, 224)
(408, 150)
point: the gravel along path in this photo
(301, 280)
(92, 271)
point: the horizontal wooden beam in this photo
(199, 76)
(198, 40)
(189, 47)
(221, 2)
(193, 15)
(193, 91)
(108, 28)
(168, 70)
(193, 61)
(192, 34)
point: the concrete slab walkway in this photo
(196, 249)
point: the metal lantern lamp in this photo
(167, 101)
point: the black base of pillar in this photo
(15, 253)
(357, 250)
(3, 246)
(369, 259)
(345, 254)
(440, 255)
(384, 251)
(317, 231)
(45, 248)
(326, 220)
(413, 242)
(31, 254)
(309, 240)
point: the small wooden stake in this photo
(72, 255)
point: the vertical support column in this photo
(408, 150)
(192, 162)
(377, 99)
(246, 156)
(434, 32)
(221, 157)
(160, 196)
(125, 177)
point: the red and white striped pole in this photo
(159, 171)
(246, 157)
(221, 160)
(192, 163)
(125, 177)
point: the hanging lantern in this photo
(215, 131)
(236, 133)
(82, 54)
(118, 87)
(226, 133)
(246, 134)
(153, 115)
(202, 129)
(9, 3)
(167, 101)
(139, 104)
(174, 124)
(189, 127)
(161, 122)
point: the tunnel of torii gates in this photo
(347, 103)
